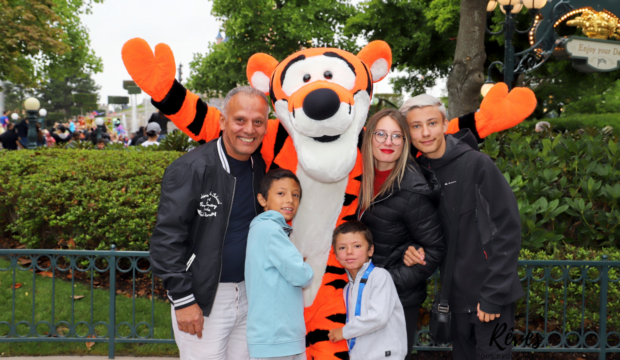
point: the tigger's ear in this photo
(259, 70)
(377, 55)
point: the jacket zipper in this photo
(254, 194)
(371, 204)
(219, 277)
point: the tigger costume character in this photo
(321, 97)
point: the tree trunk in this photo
(467, 75)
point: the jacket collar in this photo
(360, 273)
(222, 153)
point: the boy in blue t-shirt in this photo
(275, 273)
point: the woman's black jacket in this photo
(408, 216)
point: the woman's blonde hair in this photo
(366, 195)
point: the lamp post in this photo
(99, 122)
(523, 61)
(42, 115)
(32, 106)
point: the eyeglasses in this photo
(381, 136)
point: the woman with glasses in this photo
(398, 202)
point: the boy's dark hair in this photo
(101, 141)
(356, 227)
(274, 175)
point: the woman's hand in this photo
(414, 257)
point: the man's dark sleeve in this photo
(422, 221)
(498, 204)
(180, 194)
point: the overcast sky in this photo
(186, 25)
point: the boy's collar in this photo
(360, 271)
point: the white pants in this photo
(223, 337)
(301, 356)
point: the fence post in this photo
(112, 320)
(603, 311)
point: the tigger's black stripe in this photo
(199, 118)
(342, 355)
(358, 178)
(272, 94)
(202, 142)
(360, 139)
(338, 318)
(468, 121)
(337, 284)
(315, 336)
(369, 86)
(173, 101)
(349, 218)
(281, 137)
(333, 54)
(299, 58)
(348, 199)
(334, 270)
(274, 166)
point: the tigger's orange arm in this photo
(154, 74)
(499, 111)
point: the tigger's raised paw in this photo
(501, 110)
(153, 73)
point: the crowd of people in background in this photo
(14, 135)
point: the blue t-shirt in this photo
(72, 127)
(241, 215)
(4, 120)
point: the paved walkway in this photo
(70, 357)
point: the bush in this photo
(555, 301)
(567, 185)
(581, 121)
(88, 198)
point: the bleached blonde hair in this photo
(421, 101)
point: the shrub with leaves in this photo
(566, 185)
(92, 198)
(571, 301)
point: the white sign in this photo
(601, 55)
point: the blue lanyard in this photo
(358, 305)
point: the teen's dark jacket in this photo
(186, 245)
(485, 269)
(408, 216)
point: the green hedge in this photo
(554, 301)
(94, 198)
(567, 185)
(580, 121)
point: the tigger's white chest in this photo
(316, 218)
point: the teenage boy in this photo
(485, 283)
(199, 243)
(275, 273)
(375, 320)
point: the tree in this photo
(278, 28)
(467, 75)
(40, 36)
(57, 94)
(29, 28)
(421, 33)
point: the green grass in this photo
(81, 312)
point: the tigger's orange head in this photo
(322, 97)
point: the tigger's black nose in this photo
(321, 104)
